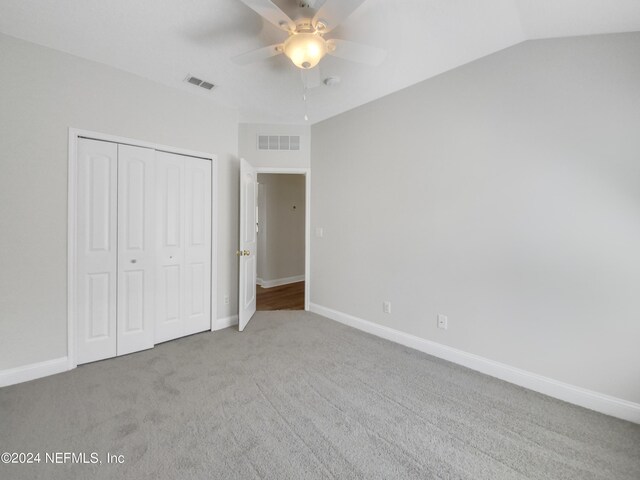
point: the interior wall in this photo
(503, 194)
(248, 145)
(43, 92)
(281, 238)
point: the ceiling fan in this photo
(306, 46)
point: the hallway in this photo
(283, 297)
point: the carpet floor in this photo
(297, 396)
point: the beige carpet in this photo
(297, 396)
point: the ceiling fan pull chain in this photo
(305, 98)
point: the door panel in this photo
(170, 258)
(136, 262)
(197, 304)
(172, 202)
(184, 250)
(135, 207)
(197, 288)
(171, 293)
(248, 244)
(134, 294)
(96, 255)
(250, 285)
(197, 205)
(100, 193)
(98, 319)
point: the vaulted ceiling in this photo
(164, 40)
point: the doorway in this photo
(280, 280)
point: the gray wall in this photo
(504, 194)
(42, 93)
(281, 236)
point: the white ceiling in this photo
(164, 40)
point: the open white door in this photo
(248, 243)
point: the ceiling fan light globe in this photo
(305, 50)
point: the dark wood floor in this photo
(284, 297)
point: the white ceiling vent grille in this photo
(199, 83)
(278, 142)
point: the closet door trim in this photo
(72, 206)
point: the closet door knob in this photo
(133, 261)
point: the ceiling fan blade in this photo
(271, 12)
(257, 55)
(356, 52)
(334, 12)
(311, 77)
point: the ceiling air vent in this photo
(278, 142)
(199, 83)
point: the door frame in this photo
(72, 205)
(307, 221)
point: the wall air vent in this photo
(199, 83)
(278, 142)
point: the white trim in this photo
(77, 132)
(307, 243)
(616, 407)
(25, 373)
(72, 206)
(74, 134)
(214, 243)
(284, 170)
(279, 281)
(33, 371)
(307, 223)
(225, 322)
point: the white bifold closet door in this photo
(96, 250)
(116, 263)
(136, 249)
(143, 249)
(183, 235)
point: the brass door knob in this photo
(247, 253)
(239, 253)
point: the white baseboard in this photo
(225, 322)
(616, 407)
(25, 373)
(279, 281)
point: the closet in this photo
(143, 248)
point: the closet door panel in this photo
(170, 210)
(136, 259)
(96, 241)
(197, 304)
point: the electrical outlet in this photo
(226, 299)
(386, 307)
(443, 321)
